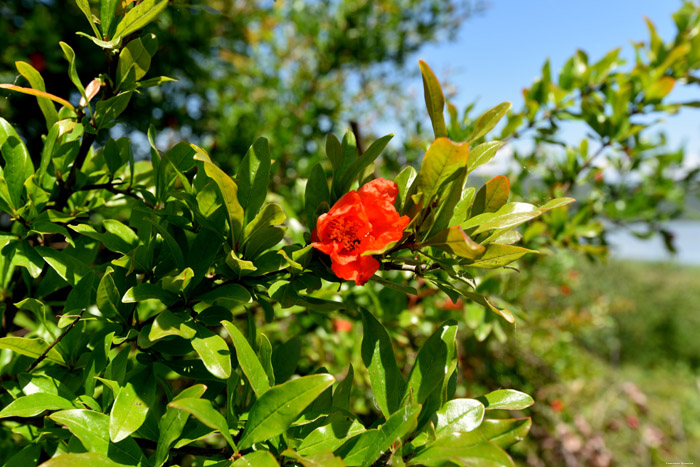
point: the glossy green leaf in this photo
(72, 71)
(396, 427)
(37, 82)
(378, 356)
(483, 153)
(461, 415)
(172, 423)
(131, 406)
(108, 110)
(226, 295)
(253, 178)
(507, 432)
(455, 241)
(492, 196)
(248, 360)
(108, 298)
(147, 291)
(139, 16)
(319, 459)
(83, 459)
(431, 365)
(434, 100)
(497, 255)
(508, 216)
(134, 62)
(443, 160)
(338, 428)
(256, 459)
(229, 194)
(92, 429)
(108, 9)
(404, 181)
(360, 163)
(18, 166)
(34, 404)
(270, 215)
(285, 358)
(84, 6)
(213, 351)
(471, 449)
(556, 203)
(28, 455)
(272, 413)
(488, 120)
(316, 192)
(203, 410)
(341, 394)
(506, 399)
(31, 348)
(168, 323)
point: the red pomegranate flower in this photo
(363, 220)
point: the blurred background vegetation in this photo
(609, 348)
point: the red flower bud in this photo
(363, 220)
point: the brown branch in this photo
(58, 339)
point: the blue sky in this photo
(501, 51)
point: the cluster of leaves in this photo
(126, 286)
(623, 173)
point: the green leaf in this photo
(508, 216)
(70, 268)
(229, 194)
(134, 62)
(316, 192)
(248, 361)
(108, 9)
(24, 255)
(115, 240)
(338, 428)
(225, 295)
(168, 323)
(270, 215)
(213, 351)
(488, 120)
(131, 406)
(455, 241)
(360, 163)
(37, 82)
(497, 255)
(461, 415)
(434, 100)
(83, 459)
(33, 404)
(443, 160)
(256, 459)
(147, 291)
(378, 356)
(396, 427)
(404, 180)
(31, 348)
(334, 151)
(274, 412)
(483, 154)
(471, 449)
(507, 432)
(139, 16)
(108, 298)
(253, 178)
(556, 203)
(431, 365)
(506, 399)
(92, 429)
(29, 455)
(203, 410)
(108, 110)
(492, 196)
(171, 243)
(172, 423)
(18, 167)
(72, 71)
(285, 358)
(84, 6)
(341, 394)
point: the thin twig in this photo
(58, 339)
